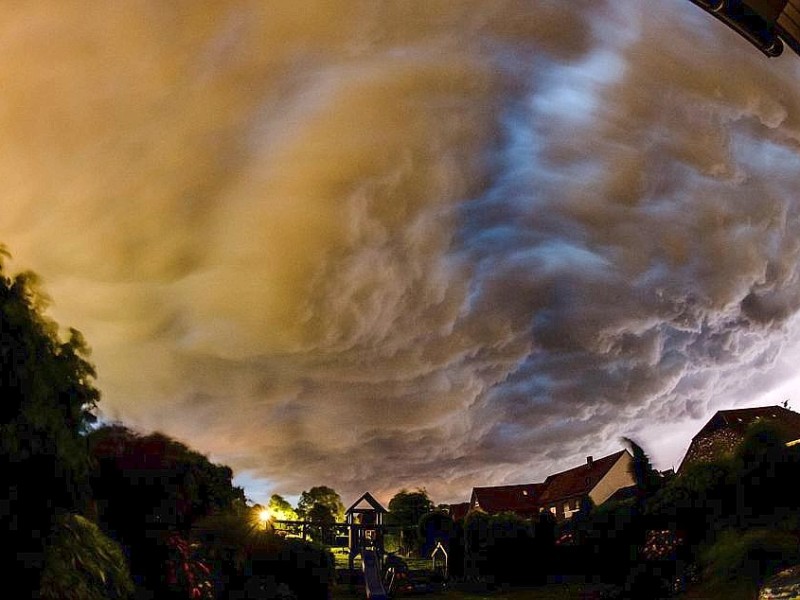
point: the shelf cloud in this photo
(405, 244)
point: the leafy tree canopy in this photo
(47, 394)
(407, 508)
(101, 572)
(154, 481)
(319, 513)
(280, 508)
(320, 495)
(46, 384)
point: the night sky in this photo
(399, 243)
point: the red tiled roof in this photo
(528, 498)
(577, 481)
(520, 499)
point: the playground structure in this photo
(365, 532)
(439, 560)
(365, 537)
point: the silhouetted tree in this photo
(435, 526)
(648, 481)
(47, 394)
(321, 495)
(405, 511)
(320, 514)
(149, 490)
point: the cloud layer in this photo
(442, 244)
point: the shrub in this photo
(81, 563)
(249, 562)
(748, 557)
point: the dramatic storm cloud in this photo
(392, 244)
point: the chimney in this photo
(589, 461)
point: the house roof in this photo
(787, 422)
(723, 432)
(578, 481)
(508, 498)
(370, 500)
(458, 511)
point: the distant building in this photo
(519, 499)
(727, 428)
(458, 511)
(596, 480)
(564, 493)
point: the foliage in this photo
(734, 515)
(81, 563)
(407, 508)
(506, 549)
(405, 511)
(320, 514)
(47, 391)
(321, 495)
(433, 527)
(698, 502)
(760, 468)
(648, 481)
(280, 508)
(148, 489)
(602, 543)
(748, 557)
(743, 491)
(247, 562)
(188, 573)
(153, 481)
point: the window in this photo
(571, 506)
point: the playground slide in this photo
(372, 577)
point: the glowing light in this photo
(264, 516)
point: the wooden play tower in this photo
(365, 537)
(365, 526)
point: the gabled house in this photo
(519, 499)
(596, 480)
(727, 428)
(563, 493)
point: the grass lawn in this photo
(546, 592)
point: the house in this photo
(519, 499)
(596, 480)
(727, 428)
(563, 493)
(458, 511)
